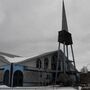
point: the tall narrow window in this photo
(38, 63)
(46, 62)
(53, 62)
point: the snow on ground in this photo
(3, 87)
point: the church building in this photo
(50, 68)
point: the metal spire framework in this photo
(65, 38)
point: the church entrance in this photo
(18, 78)
(6, 78)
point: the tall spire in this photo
(64, 19)
(65, 38)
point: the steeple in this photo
(65, 38)
(64, 18)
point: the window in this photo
(46, 63)
(53, 62)
(38, 63)
(48, 76)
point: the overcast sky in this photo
(29, 27)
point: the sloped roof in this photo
(3, 60)
(9, 58)
(9, 55)
(40, 56)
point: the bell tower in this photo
(65, 38)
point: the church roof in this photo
(4, 60)
(8, 55)
(41, 56)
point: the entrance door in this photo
(18, 78)
(6, 78)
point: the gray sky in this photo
(29, 27)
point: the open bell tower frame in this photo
(65, 38)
